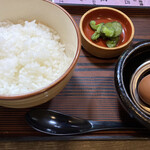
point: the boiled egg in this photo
(144, 89)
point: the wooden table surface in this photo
(141, 20)
(76, 145)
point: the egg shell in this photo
(144, 89)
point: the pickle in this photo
(99, 27)
(108, 24)
(108, 30)
(118, 28)
(112, 42)
(95, 36)
(97, 33)
(93, 25)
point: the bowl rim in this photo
(51, 85)
(101, 47)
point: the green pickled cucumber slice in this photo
(112, 42)
(108, 30)
(93, 25)
(95, 36)
(99, 27)
(97, 33)
(118, 28)
(108, 24)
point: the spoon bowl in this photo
(56, 123)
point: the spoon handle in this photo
(110, 125)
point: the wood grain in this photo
(77, 145)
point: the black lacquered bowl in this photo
(126, 67)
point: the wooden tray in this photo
(90, 94)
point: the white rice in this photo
(31, 57)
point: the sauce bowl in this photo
(105, 14)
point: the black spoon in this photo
(55, 123)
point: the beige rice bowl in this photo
(31, 57)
